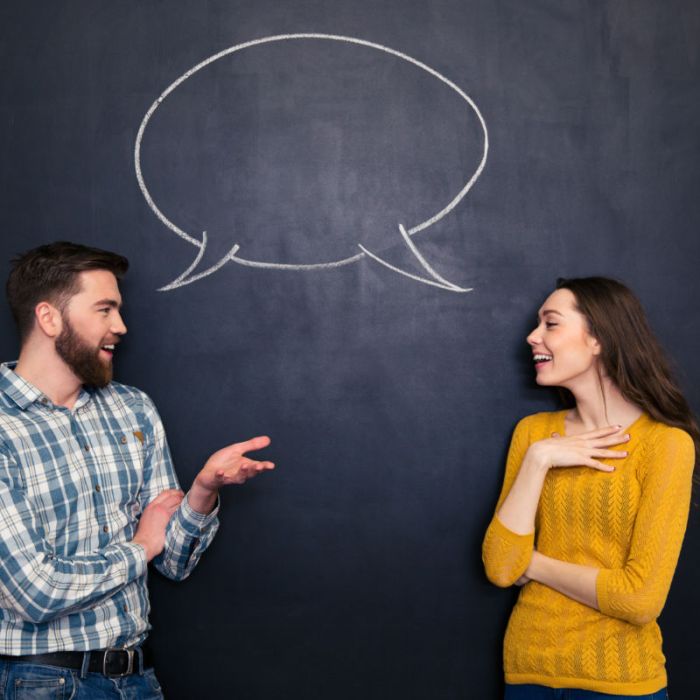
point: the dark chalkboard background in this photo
(353, 571)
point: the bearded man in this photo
(88, 494)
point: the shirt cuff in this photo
(195, 523)
(134, 557)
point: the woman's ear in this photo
(595, 345)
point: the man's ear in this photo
(48, 319)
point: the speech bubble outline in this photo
(185, 278)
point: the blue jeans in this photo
(20, 681)
(541, 692)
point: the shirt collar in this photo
(24, 393)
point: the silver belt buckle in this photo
(129, 666)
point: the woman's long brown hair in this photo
(631, 355)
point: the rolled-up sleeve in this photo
(189, 533)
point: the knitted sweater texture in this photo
(629, 524)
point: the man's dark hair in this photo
(51, 273)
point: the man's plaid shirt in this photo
(73, 484)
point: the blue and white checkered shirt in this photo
(73, 484)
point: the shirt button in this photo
(97, 488)
(126, 608)
(105, 528)
(87, 447)
(44, 400)
(123, 440)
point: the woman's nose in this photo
(534, 337)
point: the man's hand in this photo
(150, 533)
(227, 466)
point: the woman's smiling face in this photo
(564, 352)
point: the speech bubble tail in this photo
(185, 278)
(424, 263)
(437, 281)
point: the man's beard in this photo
(83, 360)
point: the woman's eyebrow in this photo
(546, 312)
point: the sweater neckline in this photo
(634, 424)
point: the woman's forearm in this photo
(519, 508)
(575, 581)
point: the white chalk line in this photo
(412, 247)
(408, 274)
(179, 281)
(290, 266)
(441, 281)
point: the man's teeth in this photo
(108, 347)
(541, 358)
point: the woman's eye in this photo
(550, 324)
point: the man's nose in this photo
(119, 327)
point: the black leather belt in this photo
(110, 662)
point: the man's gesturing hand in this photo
(150, 533)
(227, 466)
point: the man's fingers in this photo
(169, 499)
(256, 443)
(251, 466)
(167, 494)
(243, 471)
(255, 467)
(173, 501)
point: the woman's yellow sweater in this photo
(629, 524)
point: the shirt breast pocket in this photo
(123, 469)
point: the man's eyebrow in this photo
(108, 302)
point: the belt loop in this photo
(139, 653)
(85, 665)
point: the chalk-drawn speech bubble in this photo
(189, 276)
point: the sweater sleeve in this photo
(506, 554)
(637, 591)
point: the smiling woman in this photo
(594, 504)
